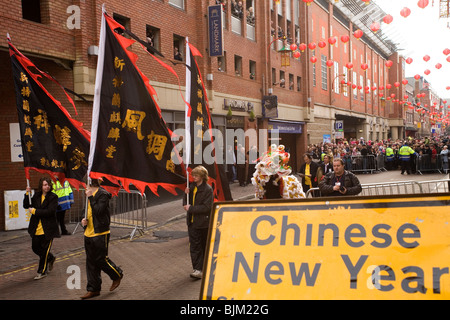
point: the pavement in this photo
(156, 263)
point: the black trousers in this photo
(197, 246)
(42, 246)
(60, 216)
(97, 260)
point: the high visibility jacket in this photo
(405, 152)
(389, 154)
(65, 195)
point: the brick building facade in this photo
(311, 96)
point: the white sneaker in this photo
(197, 274)
(40, 276)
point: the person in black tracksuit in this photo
(43, 226)
(198, 211)
(96, 241)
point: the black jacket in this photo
(100, 210)
(45, 211)
(312, 171)
(199, 213)
(351, 183)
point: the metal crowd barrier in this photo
(396, 188)
(366, 164)
(431, 163)
(128, 210)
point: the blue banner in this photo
(215, 25)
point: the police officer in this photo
(404, 154)
(389, 157)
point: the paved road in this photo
(156, 264)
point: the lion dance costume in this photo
(272, 177)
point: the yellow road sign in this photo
(395, 247)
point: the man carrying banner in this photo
(198, 208)
(96, 241)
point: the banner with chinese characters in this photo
(199, 125)
(52, 141)
(130, 141)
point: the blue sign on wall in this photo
(215, 24)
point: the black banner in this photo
(52, 141)
(200, 125)
(132, 142)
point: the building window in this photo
(337, 79)
(282, 79)
(177, 3)
(361, 83)
(222, 63)
(274, 76)
(291, 81)
(124, 21)
(252, 70)
(31, 10)
(238, 65)
(314, 74)
(178, 47)
(299, 84)
(153, 37)
(324, 72)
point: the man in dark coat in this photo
(340, 182)
(43, 226)
(96, 241)
(198, 210)
(308, 172)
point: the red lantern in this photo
(345, 39)
(364, 66)
(308, 2)
(447, 88)
(423, 3)
(302, 47)
(330, 63)
(358, 34)
(388, 86)
(447, 51)
(405, 12)
(405, 82)
(417, 77)
(389, 63)
(427, 72)
(349, 65)
(322, 44)
(426, 58)
(366, 2)
(409, 60)
(388, 19)
(405, 97)
(381, 88)
(313, 59)
(332, 40)
(375, 27)
(397, 84)
(448, 59)
(293, 47)
(296, 54)
(312, 45)
(438, 66)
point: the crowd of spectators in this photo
(430, 152)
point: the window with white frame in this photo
(324, 72)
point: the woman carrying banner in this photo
(96, 241)
(43, 226)
(198, 209)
